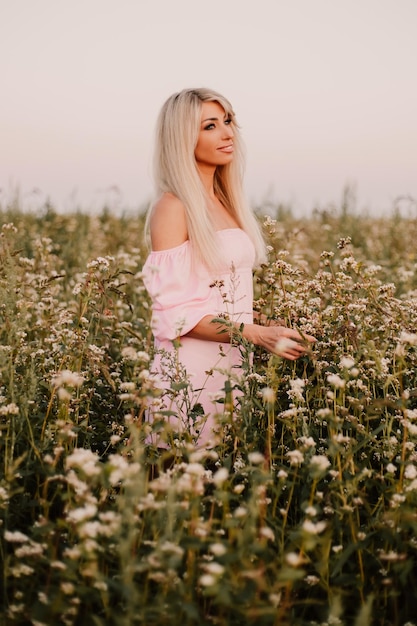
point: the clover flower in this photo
(68, 378)
(297, 389)
(256, 458)
(296, 457)
(319, 463)
(267, 533)
(9, 409)
(313, 528)
(218, 549)
(220, 477)
(84, 459)
(295, 559)
(15, 536)
(346, 362)
(83, 513)
(336, 381)
(268, 395)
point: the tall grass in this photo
(305, 511)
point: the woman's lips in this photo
(228, 148)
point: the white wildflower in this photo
(275, 599)
(144, 374)
(410, 338)
(9, 409)
(411, 414)
(289, 413)
(311, 511)
(313, 528)
(66, 377)
(335, 381)
(172, 548)
(190, 483)
(15, 536)
(268, 395)
(196, 469)
(256, 458)
(307, 442)
(100, 585)
(296, 457)
(297, 388)
(391, 556)
(207, 580)
(96, 350)
(346, 362)
(67, 588)
(84, 459)
(341, 438)
(214, 568)
(82, 513)
(319, 463)
(267, 533)
(282, 345)
(129, 354)
(121, 469)
(220, 476)
(73, 553)
(412, 428)
(410, 472)
(21, 570)
(196, 456)
(396, 500)
(29, 549)
(93, 529)
(64, 395)
(101, 263)
(294, 559)
(412, 486)
(218, 549)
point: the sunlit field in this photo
(304, 513)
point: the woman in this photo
(205, 242)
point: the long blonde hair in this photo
(176, 172)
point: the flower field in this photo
(304, 513)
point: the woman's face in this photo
(215, 140)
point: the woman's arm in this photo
(285, 342)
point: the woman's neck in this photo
(207, 178)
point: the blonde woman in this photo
(205, 242)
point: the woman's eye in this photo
(209, 127)
(228, 121)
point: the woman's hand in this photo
(280, 340)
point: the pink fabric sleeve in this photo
(181, 297)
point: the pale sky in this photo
(325, 92)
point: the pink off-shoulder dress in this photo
(183, 291)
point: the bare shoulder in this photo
(168, 223)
